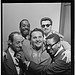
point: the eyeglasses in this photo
(47, 25)
(49, 46)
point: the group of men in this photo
(40, 51)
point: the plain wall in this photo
(65, 21)
(67, 26)
(13, 13)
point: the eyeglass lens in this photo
(47, 25)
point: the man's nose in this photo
(20, 45)
(26, 26)
(45, 26)
(37, 39)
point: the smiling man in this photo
(38, 52)
(25, 28)
(15, 42)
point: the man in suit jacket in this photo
(10, 62)
(57, 66)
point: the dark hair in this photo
(36, 29)
(22, 21)
(54, 36)
(44, 19)
(12, 35)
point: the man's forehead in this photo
(25, 22)
(46, 22)
(36, 33)
(50, 41)
(18, 36)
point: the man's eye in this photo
(34, 37)
(40, 36)
(17, 43)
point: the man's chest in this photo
(40, 57)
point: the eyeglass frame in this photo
(50, 45)
(47, 25)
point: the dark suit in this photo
(9, 66)
(57, 67)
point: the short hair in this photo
(55, 37)
(12, 35)
(44, 19)
(36, 29)
(22, 21)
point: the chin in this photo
(38, 46)
(46, 32)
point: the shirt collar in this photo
(11, 51)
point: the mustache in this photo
(45, 29)
(38, 41)
(26, 29)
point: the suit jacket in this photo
(57, 67)
(9, 66)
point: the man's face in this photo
(25, 28)
(52, 46)
(46, 26)
(17, 42)
(37, 39)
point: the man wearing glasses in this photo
(46, 26)
(57, 66)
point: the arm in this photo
(67, 52)
(54, 68)
(4, 55)
(61, 36)
(67, 47)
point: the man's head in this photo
(52, 44)
(36, 38)
(15, 41)
(24, 27)
(46, 25)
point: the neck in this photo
(24, 36)
(36, 48)
(47, 33)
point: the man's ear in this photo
(59, 44)
(9, 42)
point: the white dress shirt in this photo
(15, 62)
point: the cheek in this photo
(49, 28)
(43, 29)
(16, 46)
(22, 28)
(41, 39)
(32, 41)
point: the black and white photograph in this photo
(36, 38)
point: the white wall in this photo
(13, 13)
(67, 24)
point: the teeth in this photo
(38, 42)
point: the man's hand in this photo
(20, 55)
(67, 54)
(4, 55)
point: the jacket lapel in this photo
(59, 55)
(10, 63)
